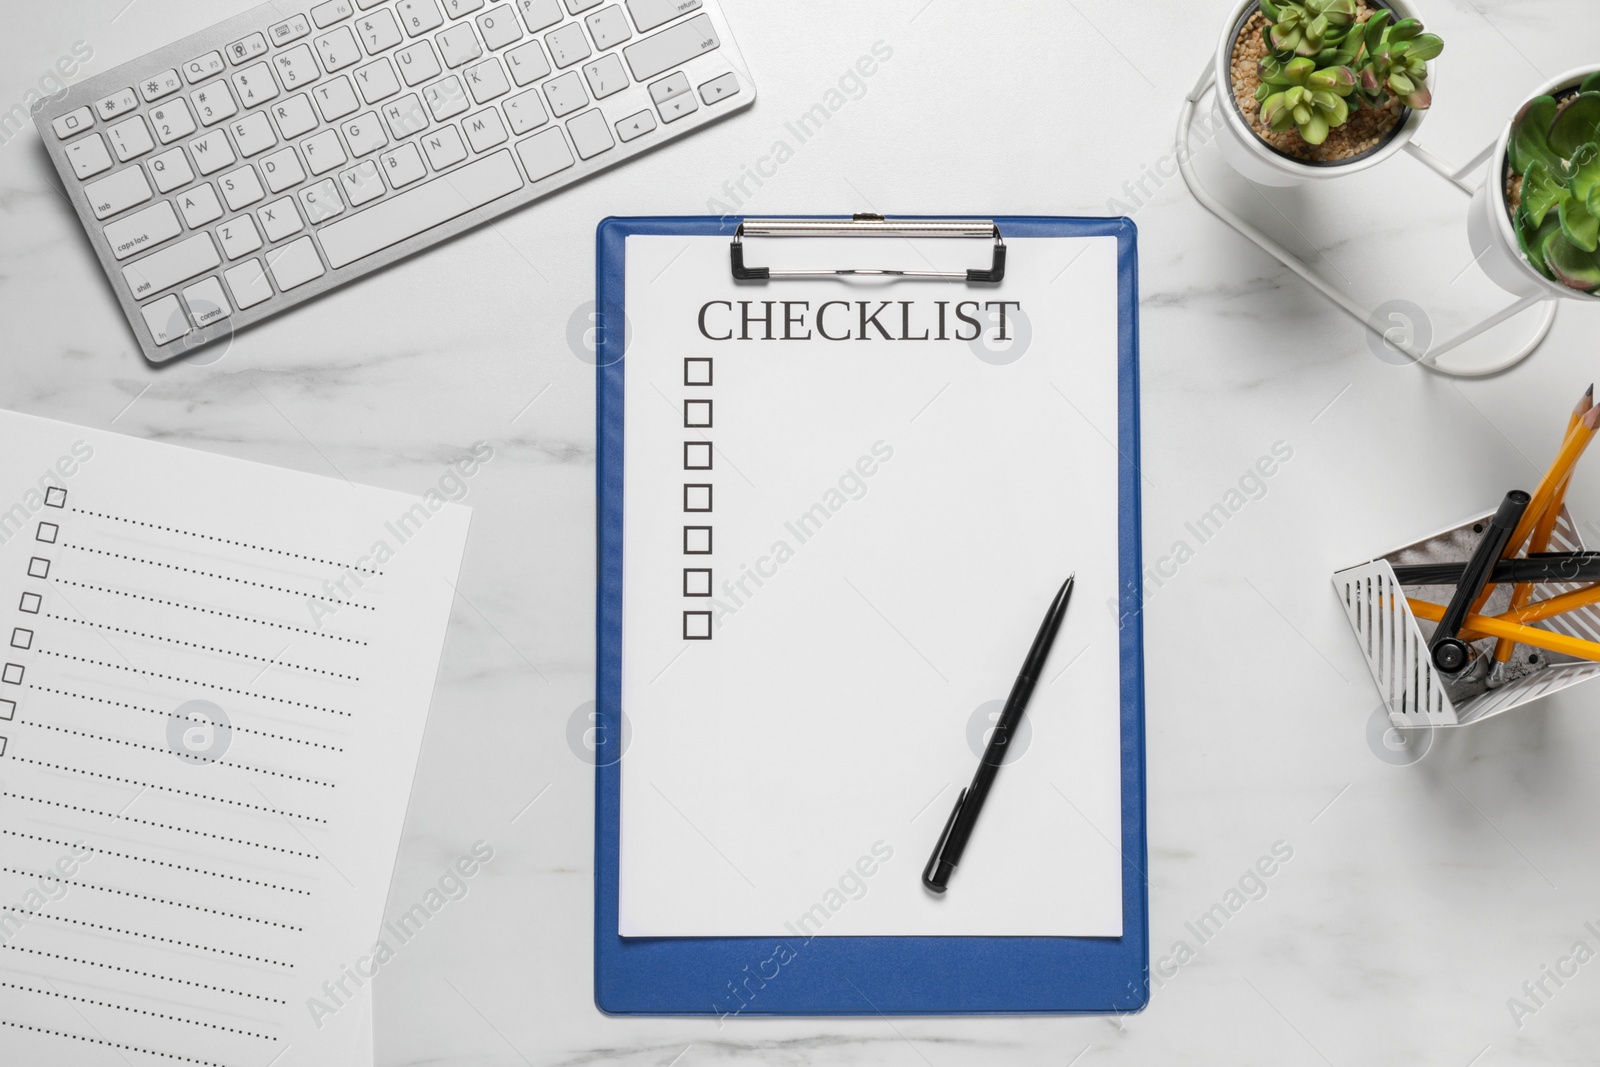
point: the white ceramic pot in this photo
(1259, 161)
(1489, 226)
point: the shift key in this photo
(669, 48)
(170, 266)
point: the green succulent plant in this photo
(1394, 61)
(1308, 27)
(1300, 94)
(1555, 150)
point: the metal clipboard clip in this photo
(868, 225)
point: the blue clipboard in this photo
(864, 975)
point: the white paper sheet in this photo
(216, 677)
(889, 520)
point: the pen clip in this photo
(936, 875)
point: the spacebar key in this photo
(418, 210)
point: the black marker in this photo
(958, 828)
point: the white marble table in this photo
(1421, 894)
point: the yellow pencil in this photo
(1527, 635)
(1556, 605)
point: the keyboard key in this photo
(323, 152)
(377, 81)
(173, 264)
(164, 84)
(325, 15)
(527, 62)
(526, 112)
(673, 98)
(206, 302)
(720, 88)
(338, 49)
(420, 209)
(281, 170)
(591, 135)
(335, 99)
(484, 130)
(295, 264)
(118, 103)
(88, 156)
(446, 98)
(544, 154)
(321, 201)
(487, 80)
(212, 152)
(671, 47)
(402, 166)
(172, 120)
(279, 219)
(444, 148)
(567, 45)
(117, 193)
(499, 27)
(361, 183)
(635, 126)
(200, 206)
(248, 284)
(364, 134)
(239, 236)
(165, 320)
(213, 103)
(75, 121)
(458, 44)
(142, 230)
(198, 70)
(419, 16)
(289, 30)
(580, 6)
(170, 170)
(254, 85)
(418, 63)
(605, 76)
(540, 14)
(608, 27)
(241, 188)
(130, 138)
(457, 8)
(405, 116)
(648, 14)
(565, 94)
(297, 67)
(378, 31)
(252, 134)
(246, 49)
(294, 116)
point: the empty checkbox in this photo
(30, 603)
(697, 370)
(38, 567)
(697, 626)
(8, 710)
(47, 532)
(697, 414)
(21, 638)
(11, 674)
(697, 455)
(697, 540)
(55, 497)
(3, 740)
(697, 581)
(697, 498)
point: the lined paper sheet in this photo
(215, 680)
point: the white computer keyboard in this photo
(274, 156)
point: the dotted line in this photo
(160, 825)
(152, 937)
(109, 1044)
(224, 540)
(208, 574)
(193, 644)
(184, 755)
(212, 611)
(146, 859)
(140, 1011)
(159, 900)
(194, 718)
(141, 974)
(191, 681)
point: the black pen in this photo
(958, 828)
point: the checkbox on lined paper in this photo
(697, 414)
(38, 567)
(30, 603)
(47, 532)
(21, 638)
(697, 626)
(55, 497)
(697, 370)
(697, 581)
(697, 455)
(697, 540)
(11, 674)
(696, 497)
(8, 710)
